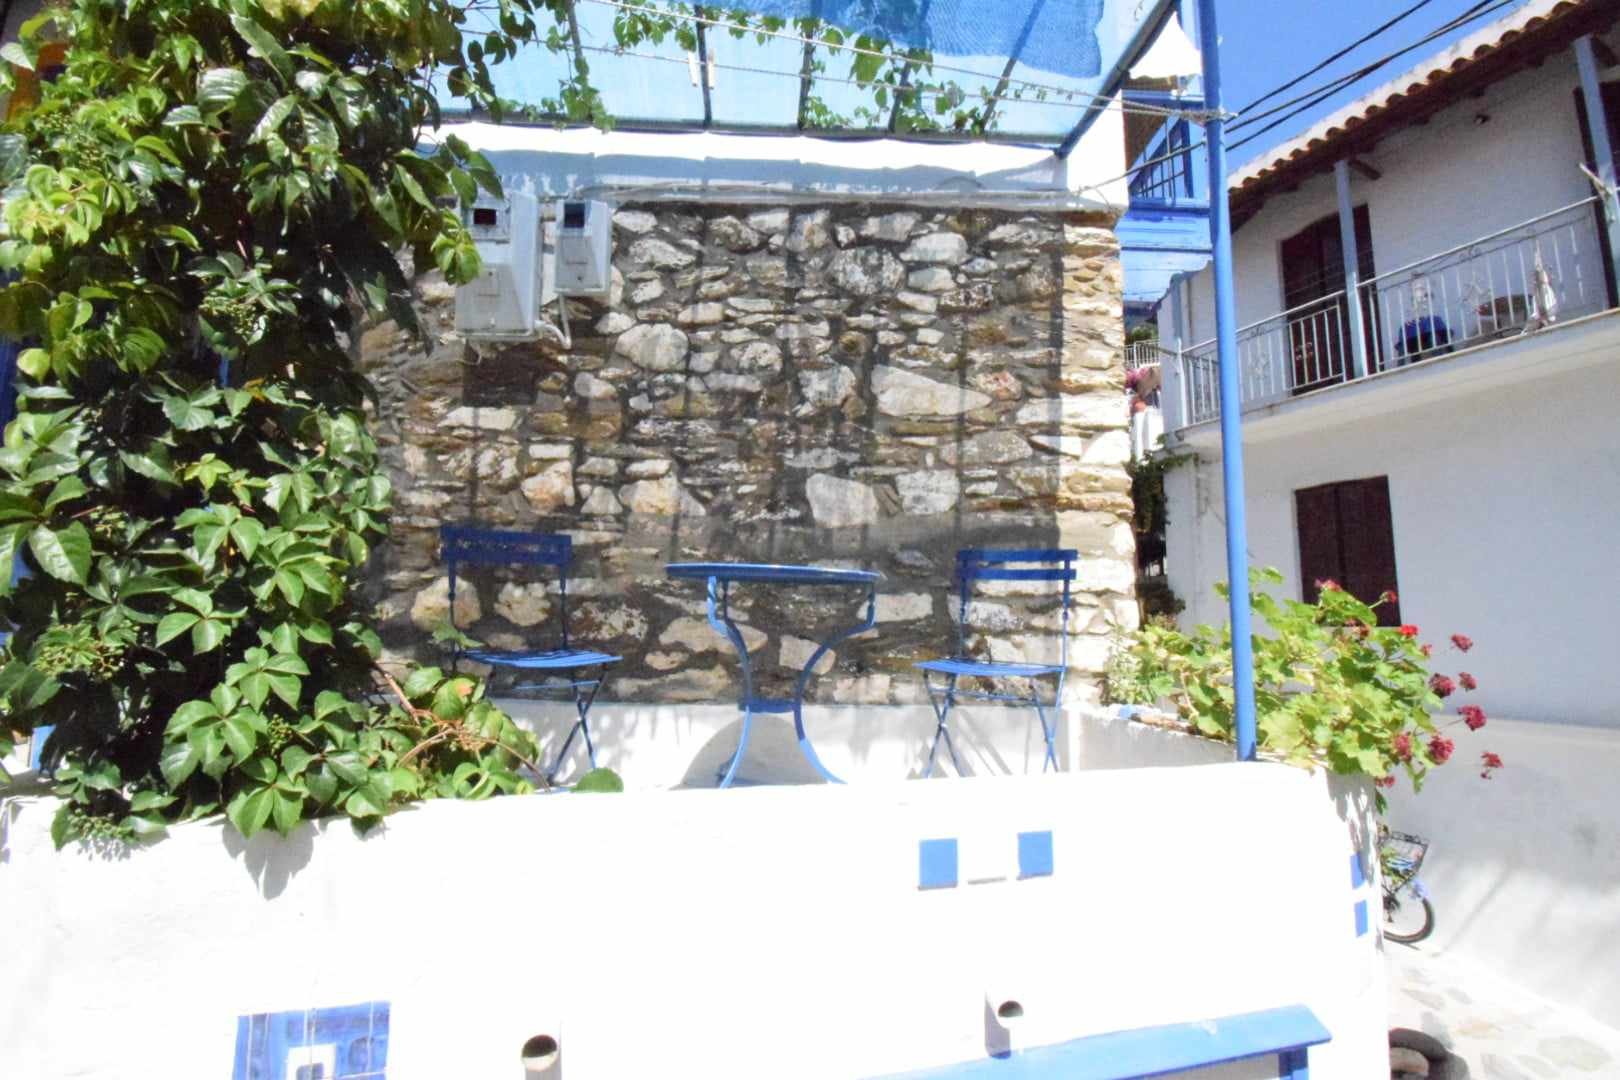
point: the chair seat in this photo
(550, 660)
(961, 666)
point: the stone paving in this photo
(1501, 1030)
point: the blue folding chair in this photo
(993, 564)
(491, 547)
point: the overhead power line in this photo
(1314, 97)
(1340, 55)
(1306, 102)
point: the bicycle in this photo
(1408, 914)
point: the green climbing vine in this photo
(203, 206)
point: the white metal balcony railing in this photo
(1139, 354)
(1545, 271)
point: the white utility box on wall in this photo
(584, 259)
(504, 301)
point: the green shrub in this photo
(1332, 687)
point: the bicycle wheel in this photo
(1407, 918)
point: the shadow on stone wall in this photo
(871, 387)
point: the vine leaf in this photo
(62, 553)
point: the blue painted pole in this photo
(1237, 526)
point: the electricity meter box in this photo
(584, 258)
(504, 300)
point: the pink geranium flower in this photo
(1408, 630)
(1440, 749)
(1462, 641)
(1442, 686)
(1467, 681)
(1473, 716)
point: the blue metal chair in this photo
(473, 546)
(999, 564)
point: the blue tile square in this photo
(273, 1046)
(1361, 917)
(1358, 875)
(936, 864)
(1035, 854)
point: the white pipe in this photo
(542, 1058)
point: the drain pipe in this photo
(542, 1058)
(1003, 1022)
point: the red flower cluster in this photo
(1440, 748)
(1473, 716)
(1384, 781)
(1402, 747)
(1462, 641)
(1408, 630)
(1325, 584)
(1491, 762)
(1467, 681)
(1388, 597)
(1428, 651)
(1442, 686)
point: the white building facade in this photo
(1481, 399)
(1462, 454)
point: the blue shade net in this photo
(1057, 36)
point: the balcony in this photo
(1521, 281)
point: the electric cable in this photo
(1340, 55)
(1311, 99)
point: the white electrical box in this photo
(584, 258)
(504, 301)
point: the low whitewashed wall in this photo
(773, 931)
(666, 746)
(657, 747)
(1525, 868)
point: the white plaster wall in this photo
(667, 746)
(760, 932)
(1524, 869)
(1506, 506)
(1443, 185)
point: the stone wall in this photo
(852, 385)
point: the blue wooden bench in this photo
(581, 671)
(999, 564)
(1285, 1034)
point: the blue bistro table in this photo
(720, 578)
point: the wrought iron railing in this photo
(1300, 349)
(1513, 282)
(1543, 272)
(1140, 354)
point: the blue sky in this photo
(1268, 42)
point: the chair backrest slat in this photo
(473, 546)
(1017, 555)
(998, 573)
(993, 564)
(500, 547)
(1002, 564)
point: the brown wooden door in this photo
(1347, 534)
(1313, 269)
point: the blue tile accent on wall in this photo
(1358, 875)
(936, 864)
(1035, 854)
(1361, 917)
(348, 1042)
